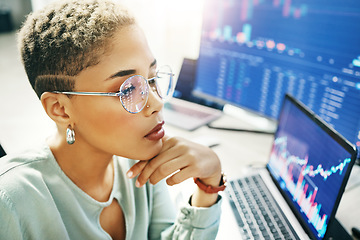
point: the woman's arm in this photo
(183, 159)
(190, 223)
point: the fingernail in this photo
(129, 174)
(137, 184)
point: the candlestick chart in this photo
(302, 178)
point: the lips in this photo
(156, 133)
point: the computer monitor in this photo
(185, 85)
(252, 52)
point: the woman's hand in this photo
(183, 159)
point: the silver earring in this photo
(70, 135)
(147, 106)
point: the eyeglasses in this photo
(134, 92)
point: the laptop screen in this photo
(311, 164)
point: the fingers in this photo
(180, 176)
(140, 165)
(159, 167)
(179, 159)
(136, 169)
(179, 167)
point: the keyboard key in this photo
(257, 213)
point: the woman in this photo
(101, 176)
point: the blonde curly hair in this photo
(59, 41)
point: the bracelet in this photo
(211, 189)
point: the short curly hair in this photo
(59, 41)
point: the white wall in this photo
(171, 26)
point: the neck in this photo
(90, 169)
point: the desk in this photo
(238, 150)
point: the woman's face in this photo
(100, 122)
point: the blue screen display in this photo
(310, 166)
(252, 52)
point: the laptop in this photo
(185, 110)
(298, 192)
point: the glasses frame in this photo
(119, 94)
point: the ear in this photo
(58, 107)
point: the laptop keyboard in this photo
(256, 211)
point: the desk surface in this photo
(239, 150)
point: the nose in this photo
(154, 104)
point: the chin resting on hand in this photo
(182, 158)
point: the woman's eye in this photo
(152, 80)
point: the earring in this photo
(147, 106)
(70, 135)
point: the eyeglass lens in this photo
(134, 92)
(164, 82)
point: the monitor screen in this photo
(311, 164)
(185, 85)
(252, 52)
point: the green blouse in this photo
(38, 201)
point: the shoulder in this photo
(22, 173)
(24, 159)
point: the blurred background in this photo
(173, 31)
(321, 68)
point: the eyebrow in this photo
(153, 63)
(128, 72)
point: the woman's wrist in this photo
(206, 196)
(212, 185)
(212, 181)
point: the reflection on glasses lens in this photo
(134, 94)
